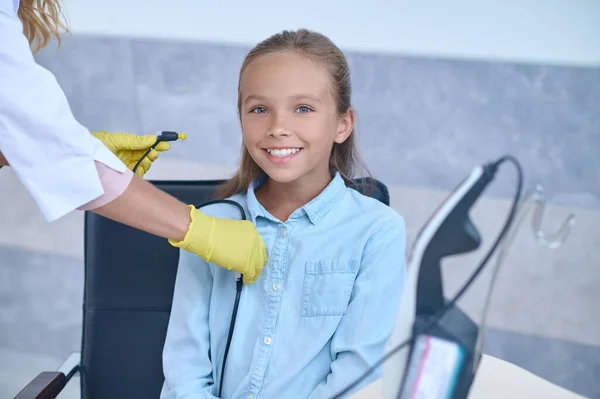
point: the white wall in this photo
(540, 31)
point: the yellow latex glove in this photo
(129, 148)
(232, 244)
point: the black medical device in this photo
(161, 136)
(434, 342)
(173, 136)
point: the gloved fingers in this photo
(249, 280)
(142, 168)
(251, 275)
(128, 141)
(162, 146)
(140, 171)
(263, 251)
(137, 154)
(153, 155)
(118, 141)
(256, 264)
(135, 142)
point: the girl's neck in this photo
(282, 199)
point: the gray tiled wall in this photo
(421, 121)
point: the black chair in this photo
(129, 281)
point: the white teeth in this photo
(283, 152)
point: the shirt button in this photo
(301, 213)
(250, 396)
(268, 340)
(284, 232)
(276, 287)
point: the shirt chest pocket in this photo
(327, 287)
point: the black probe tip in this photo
(168, 136)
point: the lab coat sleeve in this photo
(51, 153)
(114, 184)
(186, 353)
(360, 339)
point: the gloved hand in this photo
(232, 244)
(129, 148)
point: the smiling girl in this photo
(323, 308)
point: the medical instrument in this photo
(162, 136)
(238, 290)
(173, 136)
(425, 317)
(424, 310)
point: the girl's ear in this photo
(345, 126)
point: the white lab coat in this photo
(50, 152)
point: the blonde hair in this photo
(42, 19)
(344, 157)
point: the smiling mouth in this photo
(282, 152)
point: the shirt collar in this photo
(315, 210)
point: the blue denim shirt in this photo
(316, 319)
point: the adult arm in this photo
(359, 341)
(138, 204)
(56, 159)
(50, 152)
(145, 207)
(186, 353)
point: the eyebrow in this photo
(297, 97)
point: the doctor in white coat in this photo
(64, 167)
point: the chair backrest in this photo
(129, 281)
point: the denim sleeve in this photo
(360, 339)
(186, 361)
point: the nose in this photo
(278, 127)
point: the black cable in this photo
(503, 232)
(224, 201)
(374, 367)
(238, 291)
(163, 136)
(507, 224)
(145, 155)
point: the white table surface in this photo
(496, 379)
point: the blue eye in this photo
(258, 110)
(303, 109)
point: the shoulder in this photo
(380, 227)
(383, 232)
(228, 208)
(376, 212)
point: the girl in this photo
(321, 311)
